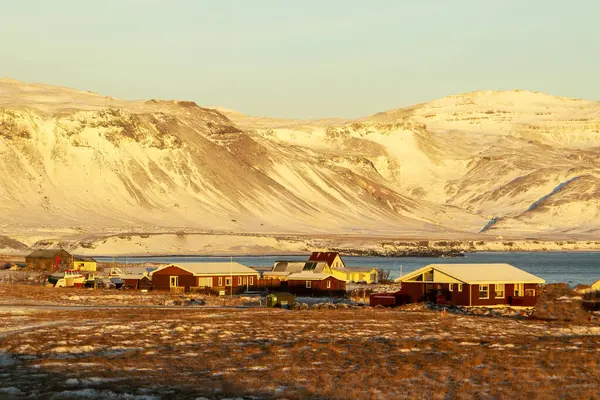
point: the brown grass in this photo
(326, 354)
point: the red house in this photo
(315, 284)
(220, 276)
(470, 285)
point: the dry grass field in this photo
(191, 352)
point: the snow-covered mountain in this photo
(510, 163)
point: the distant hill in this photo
(73, 162)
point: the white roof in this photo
(276, 273)
(213, 268)
(355, 269)
(307, 276)
(478, 273)
(133, 276)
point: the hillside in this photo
(77, 165)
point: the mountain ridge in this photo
(78, 160)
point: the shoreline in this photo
(105, 257)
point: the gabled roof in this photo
(276, 273)
(355, 269)
(83, 259)
(316, 267)
(212, 268)
(327, 257)
(138, 270)
(135, 276)
(48, 253)
(308, 276)
(478, 273)
(288, 266)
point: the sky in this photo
(303, 59)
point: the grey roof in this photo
(478, 273)
(316, 267)
(213, 268)
(308, 276)
(288, 266)
(355, 269)
(83, 258)
(45, 253)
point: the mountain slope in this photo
(73, 162)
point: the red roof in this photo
(327, 257)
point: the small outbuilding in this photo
(82, 263)
(137, 281)
(281, 300)
(470, 285)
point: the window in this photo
(519, 290)
(451, 287)
(308, 284)
(205, 282)
(438, 286)
(220, 281)
(239, 281)
(245, 280)
(174, 281)
(530, 292)
(484, 291)
(460, 287)
(227, 281)
(328, 284)
(252, 280)
(309, 266)
(499, 287)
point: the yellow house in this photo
(336, 267)
(356, 274)
(81, 263)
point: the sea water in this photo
(568, 267)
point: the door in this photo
(174, 281)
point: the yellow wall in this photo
(353, 276)
(337, 262)
(84, 265)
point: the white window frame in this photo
(328, 284)
(451, 287)
(239, 281)
(487, 290)
(531, 292)
(460, 287)
(496, 286)
(520, 289)
(220, 281)
(308, 284)
(228, 281)
(252, 280)
(171, 278)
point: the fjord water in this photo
(567, 267)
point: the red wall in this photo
(508, 296)
(160, 279)
(336, 284)
(416, 292)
